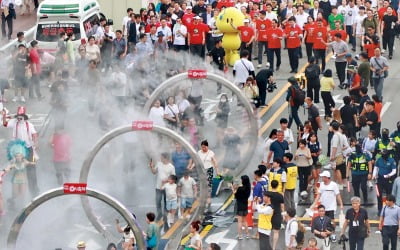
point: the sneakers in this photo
(383, 51)
(259, 66)
(370, 186)
(239, 237)
(333, 238)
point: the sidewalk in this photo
(22, 23)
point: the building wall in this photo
(116, 9)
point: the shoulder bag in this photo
(386, 72)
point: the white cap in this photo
(197, 17)
(189, 7)
(325, 174)
(246, 20)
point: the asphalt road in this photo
(135, 189)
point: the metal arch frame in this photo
(170, 82)
(57, 192)
(127, 129)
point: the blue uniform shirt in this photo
(385, 167)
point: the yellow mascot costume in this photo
(227, 22)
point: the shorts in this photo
(20, 82)
(173, 204)
(276, 221)
(186, 202)
(242, 213)
(342, 169)
(330, 214)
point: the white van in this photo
(55, 16)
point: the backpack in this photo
(300, 232)
(311, 72)
(298, 96)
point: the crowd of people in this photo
(118, 66)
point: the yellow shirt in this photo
(291, 178)
(265, 213)
(327, 84)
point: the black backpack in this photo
(298, 96)
(311, 72)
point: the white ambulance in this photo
(80, 17)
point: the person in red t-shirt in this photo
(153, 21)
(262, 25)
(293, 35)
(355, 87)
(370, 41)
(382, 10)
(338, 29)
(274, 35)
(61, 143)
(197, 36)
(36, 70)
(319, 46)
(309, 35)
(246, 37)
(187, 18)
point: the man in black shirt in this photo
(218, 59)
(364, 98)
(349, 117)
(372, 116)
(313, 115)
(263, 77)
(199, 8)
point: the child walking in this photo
(171, 195)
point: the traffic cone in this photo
(249, 216)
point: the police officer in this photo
(384, 143)
(395, 141)
(360, 165)
(384, 172)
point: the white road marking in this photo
(219, 238)
(385, 107)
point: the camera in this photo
(343, 239)
(271, 86)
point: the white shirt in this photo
(183, 105)
(328, 195)
(125, 21)
(179, 39)
(92, 51)
(166, 31)
(359, 27)
(267, 144)
(342, 10)
(333, 2)
(206, 158)
(288, 136)
(187, 187)
(271, 16)
(170, 191)
(157, 116)
(242, 68)
(263, 209)
(171, 111)
(351, 14)
(163, 172)
(23, 130)
(6, 3)
(301, 19)
(291, 230)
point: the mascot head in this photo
(227, 17)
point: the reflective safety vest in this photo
(278, 177)
(382, 146)
(396, 139)
(359, 163)
(264, 220)
(291, 177)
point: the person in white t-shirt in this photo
(288, 134)
(358, 25)
(125, 21)
(210, 164)
(163, 169)
(187, 191)
(291, 228)
(179, 33)
(171, 113)
(329, 196)
(242, 69)
(171, 194)
(24, 130)
(267, 143)
(156, 114)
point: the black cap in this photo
(292, 80)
